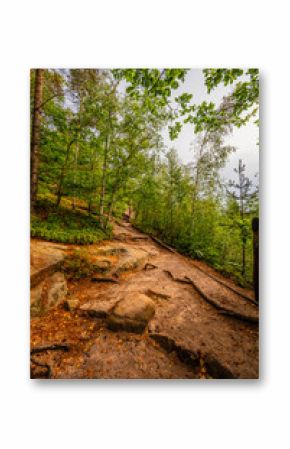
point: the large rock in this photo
(47, 294)
(46, 258)
(128, 259)
(98, 308)
(103, 265)
(112, 251)
(135, 259)
(132, 313)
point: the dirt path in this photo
(201, 329)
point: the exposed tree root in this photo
(138, 238)
(233, 289)
(46, 374)
(115, 281)
(181, 280)
(55, 347)
(155, 239)
(150, 266)
(157, 295)
(221, 309)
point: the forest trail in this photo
(204, 326)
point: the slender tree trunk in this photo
(62, 173)
(171, 210)
(197, 178)
(93, 181)
(77, 152)
(111, 205)
(244, 259)
(255, 227)
(35, 136)
(104, 174)
(75, 174)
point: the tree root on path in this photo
(55, 347)
(157, 295)
(233, 289)
(46, 375)
(150, 266)
(222, 310)
(139, 238)
(40, 349)
(155, 239)
(181, 280)
(115, 281)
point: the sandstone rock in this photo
(135, 259)
(103, 265)
(112, 251)
(46, 258)
(48, 293)
(98, 308)
(72, 304)
(132, 313)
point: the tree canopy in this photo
(97, 151)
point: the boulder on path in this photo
(132, 313)
(98, 308)
(135, 259)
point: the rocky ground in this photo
(150, 313)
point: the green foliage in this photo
(65, 225)
(188, 208)
(79, 265)
(242, 103)
(102, 151)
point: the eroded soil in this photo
(189, 337)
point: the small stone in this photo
(72, 304)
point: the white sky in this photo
(244, 139)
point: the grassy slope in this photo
(64, 224)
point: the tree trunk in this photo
(244, 259)
(112, 202)
(77, 151)
(35, 136)
(93, 182)
(62, 173)
(255, 227)
(103, 187)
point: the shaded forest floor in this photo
(202, 328)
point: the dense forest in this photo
(97, 151)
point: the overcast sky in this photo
(244, 139)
